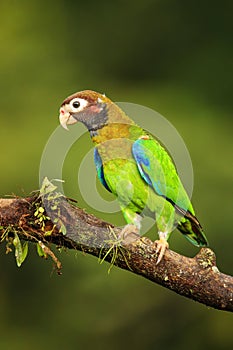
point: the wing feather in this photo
(158, 170)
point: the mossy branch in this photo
(197, 278)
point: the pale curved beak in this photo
(66, 118)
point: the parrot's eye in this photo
(76, 104)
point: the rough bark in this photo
(197, 278)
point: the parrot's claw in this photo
(161, 246)
(129, 234)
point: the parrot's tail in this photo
(192, 230)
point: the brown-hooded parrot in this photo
(136, 168)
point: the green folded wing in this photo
(158, 170)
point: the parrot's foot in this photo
(129, 234)
(161, 246)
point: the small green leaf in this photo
(40, 250)
(20, 251)
(47, 187)
(25, 251)
(63, 229)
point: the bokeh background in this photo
(173, 56)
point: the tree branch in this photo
(197, 278)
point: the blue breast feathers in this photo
(99, 169)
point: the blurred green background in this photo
(173, 56)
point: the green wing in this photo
(158, 170)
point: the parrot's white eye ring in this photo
(78, 104)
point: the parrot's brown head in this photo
(88, 107)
